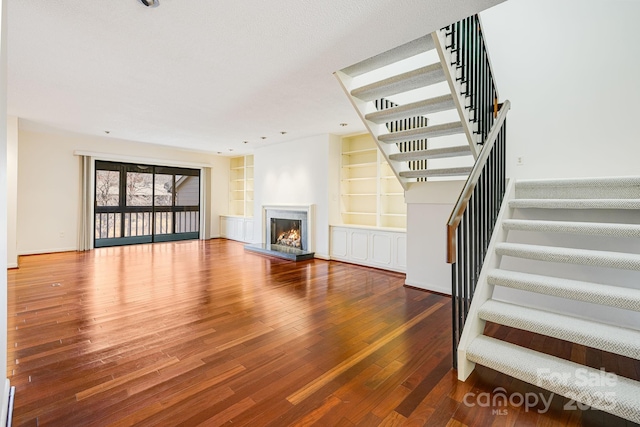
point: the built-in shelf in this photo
(359, 165)
(370, 191)
(241, 186)
(359, 213)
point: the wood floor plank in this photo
(204, 333)
(311, 388)
(126, 378)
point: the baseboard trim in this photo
(428, 287)
(47, 251)
(322, 256)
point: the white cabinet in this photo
(370, 192)
(370, 246)
(236, 228)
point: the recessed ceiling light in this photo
(263, 137)
(343, 124)
(107, 132)
(283, 133)
(245, 142)
(230, 149)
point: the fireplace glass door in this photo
(286, 232)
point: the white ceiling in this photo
(203, 74)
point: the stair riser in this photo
(400, 113)
(544, 371)
(426, 76)
(427, 133)
(415, 47)
(608, 230)
(626, 262)
(625, 342)
(430, 154)
(436, 172)
(604, 188)
(581, 204)
(613, 296)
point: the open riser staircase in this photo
(416, 101)
(563, 262)
(557, 258)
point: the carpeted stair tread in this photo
(421, 77)
(419, 108)
(575, 203)
(536, 368)
(422, 133)
(596, 293)
(626, 187)
(407, 50)
(426, 173)
(571, 227)
(433, 153)
(620, 260)
(614, 339)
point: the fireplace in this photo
(287, 232)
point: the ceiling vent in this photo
(150, 3)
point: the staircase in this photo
(557, 258)
(563, 262)
(415, 102)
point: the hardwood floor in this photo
(204, 333)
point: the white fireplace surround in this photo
(306, 213)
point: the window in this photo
(144, 204)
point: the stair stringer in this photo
(453, 79)
(474, 326)
(363, 108)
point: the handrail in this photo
(472, 180)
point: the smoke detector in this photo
(150, 3)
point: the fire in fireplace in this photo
(286, 232)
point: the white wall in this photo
(296, 173)
(429, 205)
(335, 163)
(570, 69)
(12, 191)
(219, 191)
(49, 183)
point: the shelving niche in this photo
(241, 186)
(370, 192)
